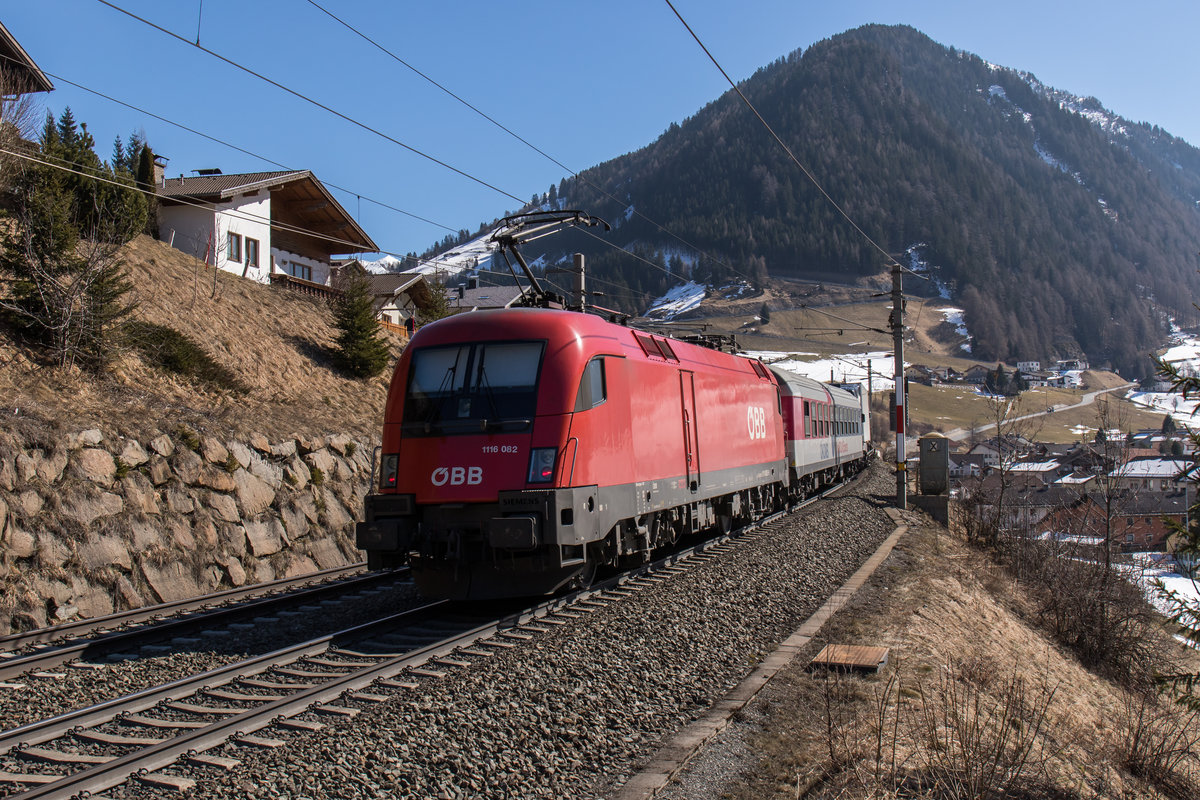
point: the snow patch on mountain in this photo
(996, 92)
(474, 255)
(681, 299)
(955, 317)
(919, 264)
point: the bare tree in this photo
(20, 114)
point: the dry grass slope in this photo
(978, 702)
(275, 343)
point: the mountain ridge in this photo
(1060, 227)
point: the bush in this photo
(175, 352)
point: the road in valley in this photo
(958, 434)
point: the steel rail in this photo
(161, 754)
(82, 627)
(113, 641)
(46, 730)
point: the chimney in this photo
(473, 283)
(160, 170)
(461, 291)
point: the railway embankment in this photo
(143, 483)
(92, 522)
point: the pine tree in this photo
(71, 292)
(764, 314)
(361, 351)
(436, 306)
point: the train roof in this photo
(810, 389)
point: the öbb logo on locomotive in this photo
(457, 476)
(756, 422)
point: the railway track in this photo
(159, 734)
(165, 736)
(102, 637)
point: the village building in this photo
(996, 449)
(1158, 474)
(964, 466)
(399, 296)
(977, 373)
(1140, 520)
(1045, 471)
(259, 224)
(472, 297)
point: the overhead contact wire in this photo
(701, 252)
(311, 101)
(778, 140)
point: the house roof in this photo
(225, 187)
(392, 285)
(1034, 466)
(298, 192)
(1153, 468)
(393, 282)
(1154, 503)
(14, 58)
(483, 297)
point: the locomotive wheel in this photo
(587, 576)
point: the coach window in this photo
(592, 389)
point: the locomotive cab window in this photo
(592, 387)
(469, 388)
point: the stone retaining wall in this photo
(93, 524)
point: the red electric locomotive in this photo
(523, 448)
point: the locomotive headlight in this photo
(388, 470)
(541, 464)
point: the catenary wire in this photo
(357, 123)
(80, 170)
(348, 119)
(232, 146)
(578, 176)
(317, 103)
(812, 178)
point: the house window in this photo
(302, 271)
(235, 247)
(251, 252)
(1129, 538)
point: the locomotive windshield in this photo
(472, 388)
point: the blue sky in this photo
(585, 82)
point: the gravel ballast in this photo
(83, 683)
(574, 711)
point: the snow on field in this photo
(1161, 567)
(848, 368)
(1168, 403)
(1184, 354)
(682, 298)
